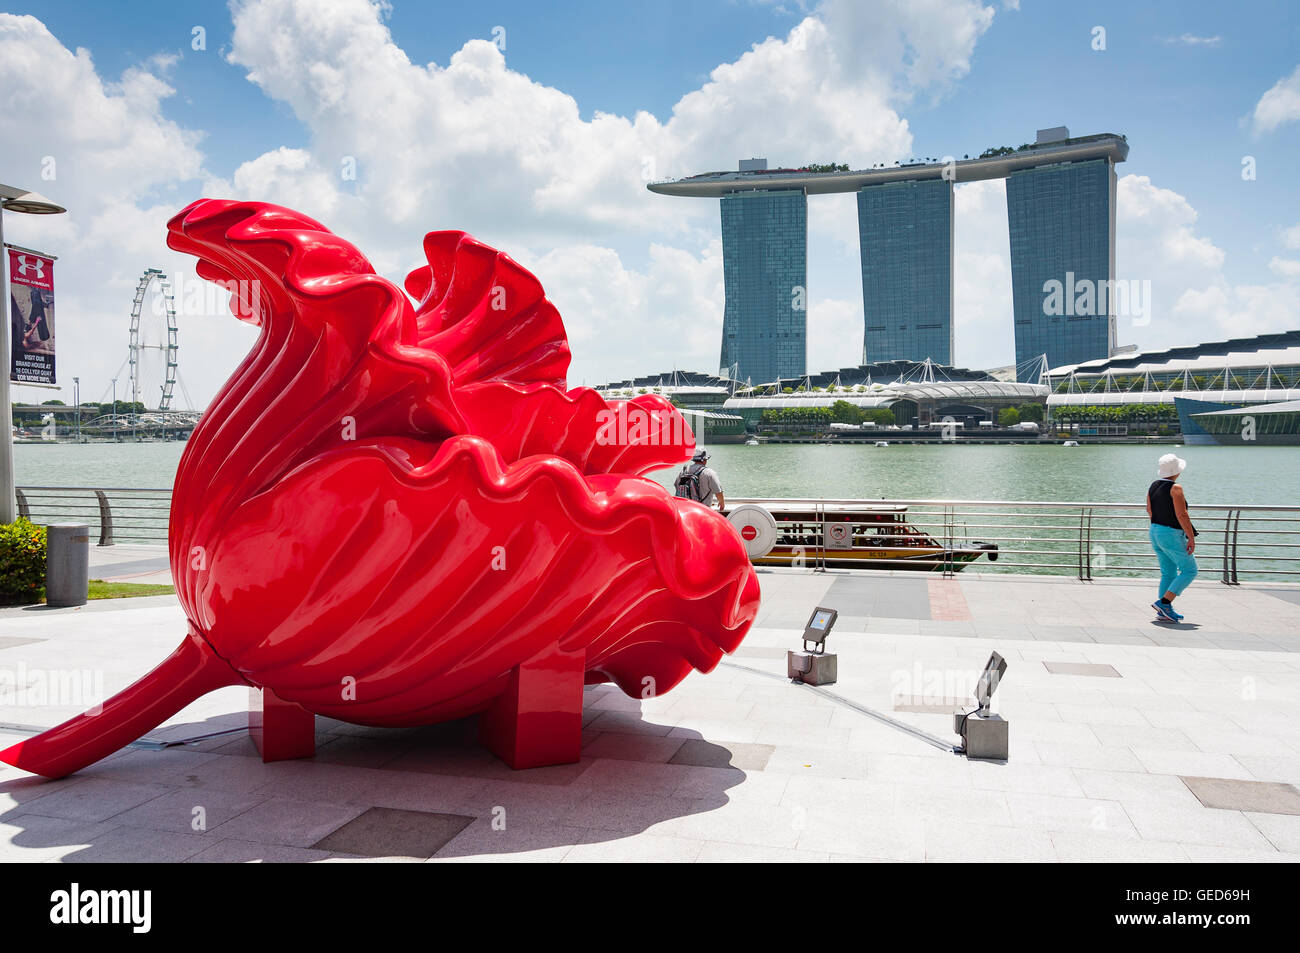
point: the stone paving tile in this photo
(1025, 778)
(1276, 768)
(1208, 854)
(1266, 797)
(526, 844)
(948, 843)
(634, 812)
(1134, 787)
(599, 848)
(1079, 814)
(1191, 763)
(1282, 831)
(893, 837)
(128, 845)
(231, 851)
(1195, 826)
(94, 799)
(1090, 848)
(389, 832)
(705, 754)
(286, 821)
(35, 838)
(626, 746)
(189, 810)
(719, 852)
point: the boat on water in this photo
(882, 443)
(1070, 443)
(845, 535)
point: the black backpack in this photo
(688, 482)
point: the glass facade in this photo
(765, 269)
(905, 237)
(1062, 224)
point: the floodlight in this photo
(819, 628)
(814, 666)
(984, 735)
(988, 681)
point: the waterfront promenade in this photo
(1129, 741)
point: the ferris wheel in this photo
(153, 347)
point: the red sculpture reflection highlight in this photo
(397, 515)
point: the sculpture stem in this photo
(189, 673)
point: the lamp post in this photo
(115, 410)
(30, 203)
(76, 397)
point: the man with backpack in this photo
(699, 482)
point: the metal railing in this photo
(1087, 540)
(119, 514)
(1084, 539)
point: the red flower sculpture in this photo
(397, 515)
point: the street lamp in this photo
(76, 398)
(30, 203)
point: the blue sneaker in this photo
(1165, 611)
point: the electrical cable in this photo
(917, 733)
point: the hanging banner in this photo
(31, 318)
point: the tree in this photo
(1008, 417)
(846, 413)
(1031, 412)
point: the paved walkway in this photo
(1130, 740)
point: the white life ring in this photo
(756, 527)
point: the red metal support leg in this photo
(537, 721)
(280, 729)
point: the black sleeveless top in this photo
(1159, 494)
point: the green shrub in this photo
(22, 563)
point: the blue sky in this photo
(1181, 80)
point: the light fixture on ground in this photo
(12, 200)
(815, 667)
(984, 735)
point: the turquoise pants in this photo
(1177, 565)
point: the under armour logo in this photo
(26, 266)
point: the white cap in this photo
(1170, 465)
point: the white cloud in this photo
(103, 150)
(1279, 105)
(1191, 39)
(1192, 299)
(476, 145)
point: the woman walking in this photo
(1173, 536)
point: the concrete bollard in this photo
(67, 564)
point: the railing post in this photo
(949, 520)
(1236, 532)
(105, 519)
(1081, 554)
(23, 509)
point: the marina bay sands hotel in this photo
(1061, 217)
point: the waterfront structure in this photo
(700, 398)
(905, 234)
(1196, 379)
(1264, 424)
(919, 393)
(1061, 218)
(765, 265)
